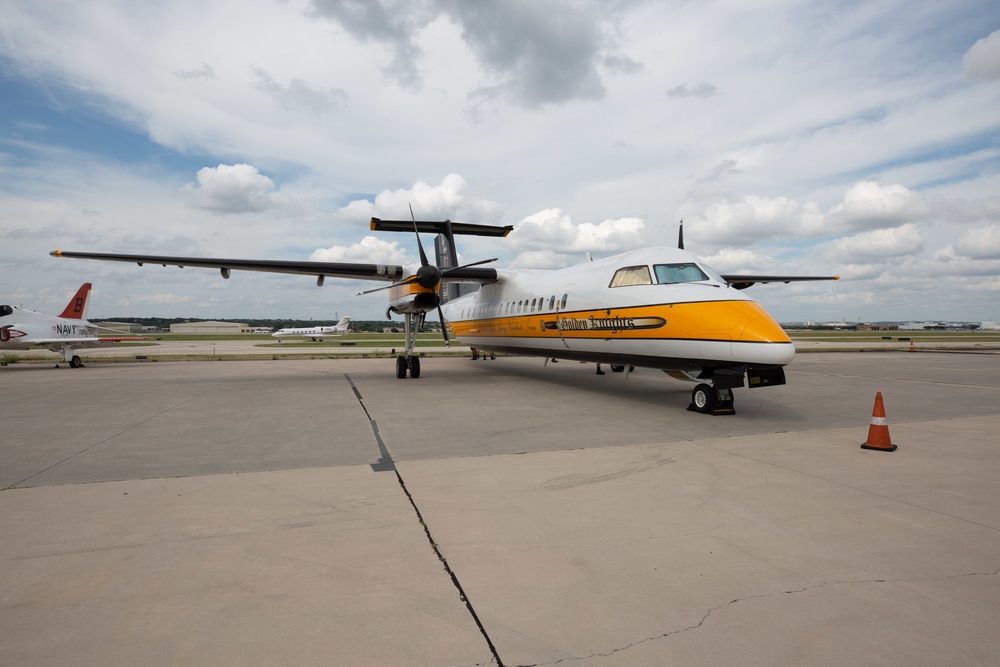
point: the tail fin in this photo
(77, 307)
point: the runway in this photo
(321, 511)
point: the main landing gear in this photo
(402, 364)
(708, 400)
(409, 361)
(71, 358)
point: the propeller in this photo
(428, 276)
(680, 235)
(416, 277)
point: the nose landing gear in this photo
(711, 401)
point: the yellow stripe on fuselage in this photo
(743, 321)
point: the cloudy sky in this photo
(851, 138)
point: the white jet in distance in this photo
(315, 333)
(659, 308)
(23, 329)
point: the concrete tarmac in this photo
(321, 511)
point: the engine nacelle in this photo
(415, 302)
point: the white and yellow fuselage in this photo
(588, 312)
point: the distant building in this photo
(990, 326)
(878, 327)
(124, 327)
(208, 327)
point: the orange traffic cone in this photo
(911, 346)
(878, 432)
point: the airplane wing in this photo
(318, 269)
(744, 281)
(387, 272)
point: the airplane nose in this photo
(765, 342)
(753, 336)
(762, 330)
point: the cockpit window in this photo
(687, 272)
(5, 311)
(631, 275)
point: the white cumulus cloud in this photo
(982, 61)
(237, 188)
(369, 250)
(870, 204)
(980, 243)
(880, 244)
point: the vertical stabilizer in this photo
(77, 307)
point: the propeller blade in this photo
(444, 328)
(420, 246)
(680, 236)
(411, 279)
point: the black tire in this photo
(617, 368)
(75, 362)
(414, 367)
(401, 367)
(703, 398)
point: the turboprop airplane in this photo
(23, 329)
(661, 308)
(314, 333)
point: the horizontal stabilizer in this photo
(439, 227)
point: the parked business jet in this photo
(656, 307)
(314, 333)
(23, 329)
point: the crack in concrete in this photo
(761, 596)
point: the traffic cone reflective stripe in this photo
(878, 431)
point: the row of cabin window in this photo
(517, 307)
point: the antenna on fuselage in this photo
(680, 235)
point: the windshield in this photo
(685, 272)
(6, 310)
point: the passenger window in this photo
(563, 306)
(687, 272)
(552, 302)
(631, 275)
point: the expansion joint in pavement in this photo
(386, 464)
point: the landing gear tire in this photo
(710, 401)
(414, 367)
(703, 399)
(617, 368)
(401, 367)
(75, 362)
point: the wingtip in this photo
(56, 253)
